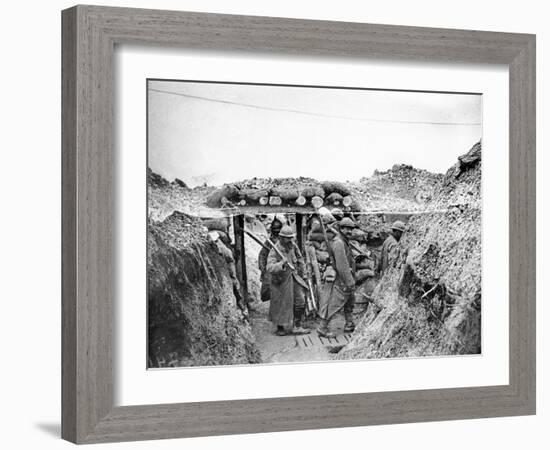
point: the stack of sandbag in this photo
(334, 186)
(334, 199)
(310, 191)
(288, 194)
(281, 192)
(253, 195)
(221, 197)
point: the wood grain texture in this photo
(522, 192)
(89, 36)
(68, 226)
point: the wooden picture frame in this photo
(89, 36)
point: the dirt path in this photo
(284, 349)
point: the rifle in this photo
(272, 244)
(325, 237)
(257, 239)
(329, 248)
(312, 302)
(297, 277)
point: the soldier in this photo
(312, 262)
(275, 229)
(341, 294)
(316, 242)
(390, 247)
(225, 250)
(364, 266)
(287, 304)
(337, 213)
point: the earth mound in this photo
(401, 188)
(192, 311)
(429, 302)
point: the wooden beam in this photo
(240, 255)
(300, 231)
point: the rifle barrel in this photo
(256, 238)
(270, 242)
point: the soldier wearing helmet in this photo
(390, 247)
(340, 294)
(226, 251)
(275, 229)
(337, 213)
(287, 304)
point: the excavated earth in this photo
(428, 303)
(192, 312)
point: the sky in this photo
(222, 133)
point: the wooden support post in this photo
(300, 231)
(240, 256)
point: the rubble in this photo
(165, 197)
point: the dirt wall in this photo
(193, 316)
(429, 301)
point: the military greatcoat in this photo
(340, 292)
(286, 293)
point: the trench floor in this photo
(292, 348)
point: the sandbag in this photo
(253, 194)
(335, 199)
(362, 275)
(312, 191)
(334, 186)
(285, 193)
(229, 191)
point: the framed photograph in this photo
(277, 224)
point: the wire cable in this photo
(308, 113)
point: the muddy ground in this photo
(303, 348)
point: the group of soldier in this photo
(336, 264)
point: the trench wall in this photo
(193, 318)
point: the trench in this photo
(292, 348)
(427, 303)
(289, 348)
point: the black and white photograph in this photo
(298, 224)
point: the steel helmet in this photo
(337, 213)
(315, 226)
(287, 232)
(276, 224)
(347, 222)
(398, 225)
(326, 216)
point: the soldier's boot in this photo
(323, 329)
(298, 329)
(281, 331)
(349, 326)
